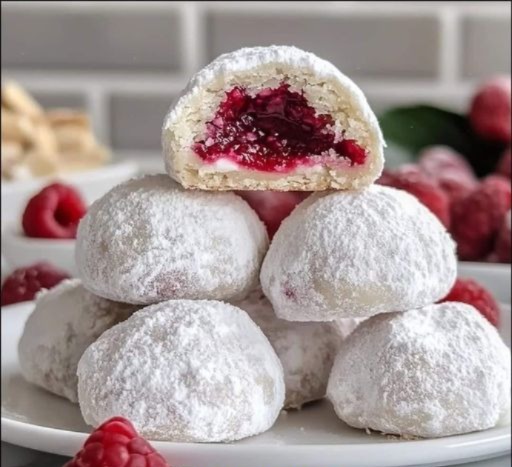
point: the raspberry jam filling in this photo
(274, 131)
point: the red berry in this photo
(274, 130)
(411, 179)
(457, 188)
(504, 164)
(436, 160)
(24, 283)
(471, 292)
(53, 213)
(451, 171)
(502, 248)
(490, 110)
(273, 206)
(116, 443)
(477, 218)
(386, 178)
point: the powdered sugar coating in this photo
(356, 254)
(149, 240)
(65, 321)
(436, 371)
(184, 370)
(306, 350)
(346, 326)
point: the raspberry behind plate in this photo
(471, 292)
(477, 218)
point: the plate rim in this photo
(445, 449)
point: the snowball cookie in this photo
(357, 253)
(65, 321)
(306, 350)
(149, 240)
(183, 370)
(437, 371)
(272, 118)
(346, 326)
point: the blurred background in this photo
(124, 62)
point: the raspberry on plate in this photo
(273, 207)
(471, 292)
(477, 218)
(490, 110)
(53, 213)
(116, 443)
(411, 179)
(24, 283)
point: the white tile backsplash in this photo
(125, 61)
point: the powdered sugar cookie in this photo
(306, 350)
(184, 370)
(356, 254)
(437, 371)
(346, 326)
(272, 118)
(65, 321)
(149, 240)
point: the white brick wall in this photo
(125, 61)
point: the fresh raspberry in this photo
(388, 176)
(504, 164)
(451, 171)
(502, 248)
(471, 292)
(23, 283)
(115, 443)
(457, 188)
(273, 207)
(53, 213)
(490, 110)
(435, 160)
(477, 218)
(411, 179)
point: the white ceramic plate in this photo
(36, 419)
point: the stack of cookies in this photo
(187, 321)
(37, 143)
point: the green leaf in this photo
(416, 127)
